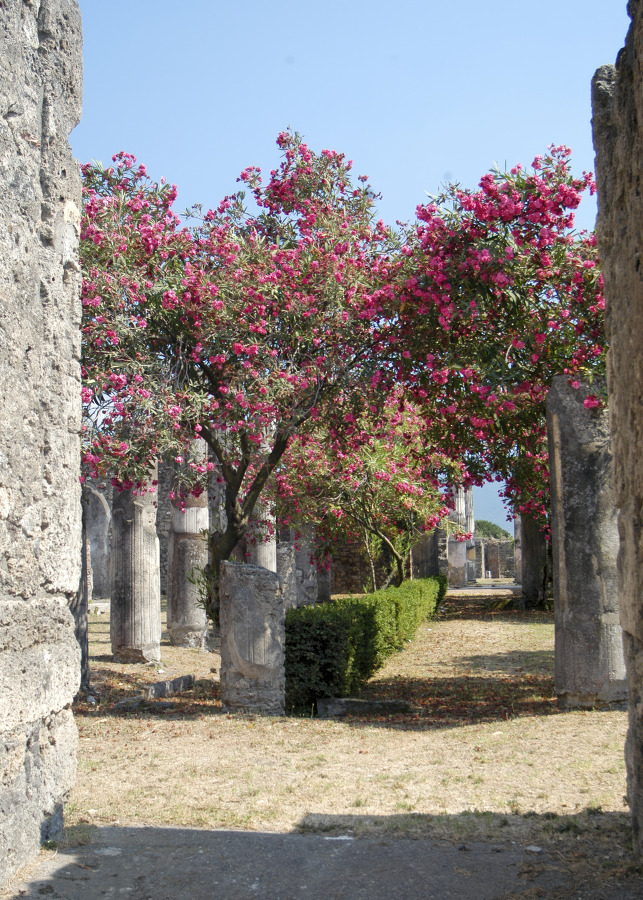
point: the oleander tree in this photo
(501, 295)
(239, 328)
(375, 481)
(301, 339)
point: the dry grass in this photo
(484, 753)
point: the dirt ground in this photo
(484, 754)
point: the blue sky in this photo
(416, 92)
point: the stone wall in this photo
(618, 139)
(498, 558)
(40, 511)
(350, 570)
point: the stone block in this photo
(457, 561)
(337, 707)
(253, 638)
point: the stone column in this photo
(79, 605)
(534, 566)
(261, 539)
(470, 527)
(457, 560)
(40, 512)
(135, 617)
(517, 549)
(286, 570)
(590, 670)
(618, 139)
(98, 516)
(253, 638)
(187, 555)
(441, 551)
(481, 558)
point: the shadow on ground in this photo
(361, 858)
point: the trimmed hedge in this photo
(333, 648)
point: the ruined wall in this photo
(40, 513)
(618, 139)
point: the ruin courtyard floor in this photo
(483, 754)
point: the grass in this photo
(484, 752)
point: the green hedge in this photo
(333, 648)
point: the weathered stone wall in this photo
(40, 512)
(350, 571)
(618, 139)
(424, 557)
(499, 558)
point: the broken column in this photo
(187, 558)
(590, 670)
(135, 616)
(457, 550)
(253, 635)
(40, 512)
(618, 139)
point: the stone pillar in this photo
(457, 560)
(40, 512)
(470, 525)
(79, 605)
(481, 558)
(261, 541)
(98, 516)
(590, 670)
(517, 550)
(618, 139)
(187, 555)
(253, 639)
(533, 577)
(441, 551)
(286, 570)
(323, 585)
(164, 518)
(135, 619)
